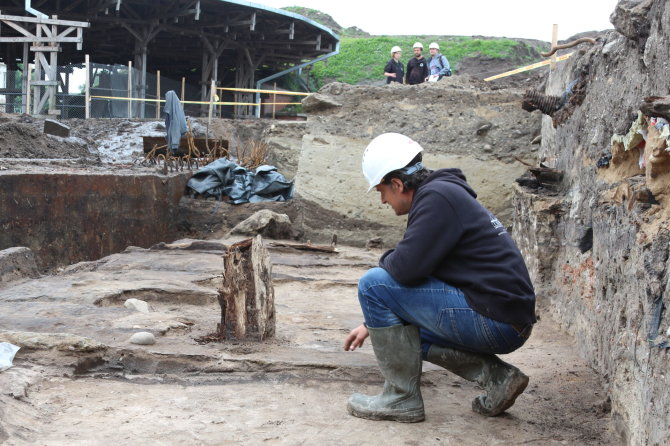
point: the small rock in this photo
(143, 338)
(318, 101)
(137, 305)
(376, 242)
(484, 129)
(266, 223)
(609, 47)
(52, 127)
(17, 263)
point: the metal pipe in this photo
(35, 12)
(289, 70)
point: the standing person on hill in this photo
(417, 67)
(454, 291)
(438, 64)
(394, 70)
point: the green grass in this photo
(362, 59)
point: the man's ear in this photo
(397, 184)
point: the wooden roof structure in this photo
(196, 39)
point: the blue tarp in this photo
(224, 178)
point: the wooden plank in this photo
(35, 49)
(304, 246)
(40, 40)
(554, 42)
(87, 87)
(25, 19)
(45, 82)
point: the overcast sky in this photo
(530, 19)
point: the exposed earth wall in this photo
(597, 245)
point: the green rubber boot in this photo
(503, 382)
(398, 352)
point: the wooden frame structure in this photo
(42, 37)
(232, 42)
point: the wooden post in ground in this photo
(28, 88)
(247, 297)
(87, 87)
(130, 89)
(554, 42)
(183, 88)
(212, 92)
(274, 100)
(158, 94)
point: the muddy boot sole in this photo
(515, 385)
(410, 416)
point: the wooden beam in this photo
(25, 19)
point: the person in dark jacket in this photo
(394, 70)
(455, 291)
(417, 67)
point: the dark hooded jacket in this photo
(452, 237)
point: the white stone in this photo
(143, 338)
(137, 305)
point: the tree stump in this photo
(247, 297)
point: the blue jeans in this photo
(439, 310)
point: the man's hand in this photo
(392, 75)
(355, 338)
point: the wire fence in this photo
(118, 91)
(105, 80)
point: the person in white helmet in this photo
(417, 67)
(394, 70)
(437, 64)
(454, 291)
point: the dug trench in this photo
(78, 380)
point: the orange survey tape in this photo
(528, 67)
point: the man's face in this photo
(397, 55)
(417, 52)
(395, 195)
(433, 51)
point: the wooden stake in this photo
(554, 42)
(28, 88)
(247, 297)
(211, 104)
(87, 87)
(158, 94)
(183, 88)
(274, 100)
(130, 88)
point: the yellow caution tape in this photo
(253, 90)
(121, 98)
(528, 67)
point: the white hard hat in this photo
(395, 49)
(418, 45)
(386, 153)
(434, 45)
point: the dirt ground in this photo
(79, 381)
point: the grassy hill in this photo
(362, 57)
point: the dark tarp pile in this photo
(225, 179)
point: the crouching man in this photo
(455, 290)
